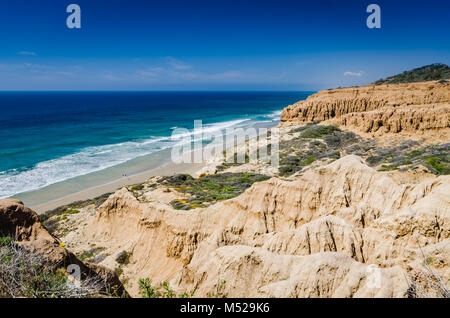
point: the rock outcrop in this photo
(341, 230)
(22, 224)
(378, 108)
(255, 272)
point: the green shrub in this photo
(319, 131)
(137, 187)
(72, 212)
(162, 291)
(123, 258)
(89, 254)
(72, 208)
(5, 241)
(430, 72)
(147, 290)
(437, 164)
(118, 271)
(210, 189)
(308, 161)
(388, 167)
(219, 292)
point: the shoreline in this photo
(95, 191)
(111, 179)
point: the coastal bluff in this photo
(386, 108)
(341, 230)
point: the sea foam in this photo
(92, 159)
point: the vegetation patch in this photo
(236, 162)
(118, 271)
(315, 142)
(220, 290)
(137, 187)
(318, 131)
(435, 157)
(162, 291)
(430, 72)
(388, 167)
(207, 190)
(440, 163)
(123, 258)
(72, 208)
(92, 255)
(308, 161)
(5, 241)
(24, 273)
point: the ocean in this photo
(51, 137)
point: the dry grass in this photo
(426, 283)
(27, 274)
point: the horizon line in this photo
(150, 90)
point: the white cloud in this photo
(200, 76)
(177, 64)
(360, 73)
(178, 71)
(66, 73)
(229, 75)
(27, 53)
(151, 72)
(36, 66)
(110, 77)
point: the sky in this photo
(216, 44)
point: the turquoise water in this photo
(49, 137)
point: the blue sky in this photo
(215, 44)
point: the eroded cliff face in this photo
(22, 224)
(341, 230)
(378, 108)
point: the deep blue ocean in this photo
(47, 137)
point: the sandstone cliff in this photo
(378, 108)
(341, 230)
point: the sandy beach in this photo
(92, 192)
